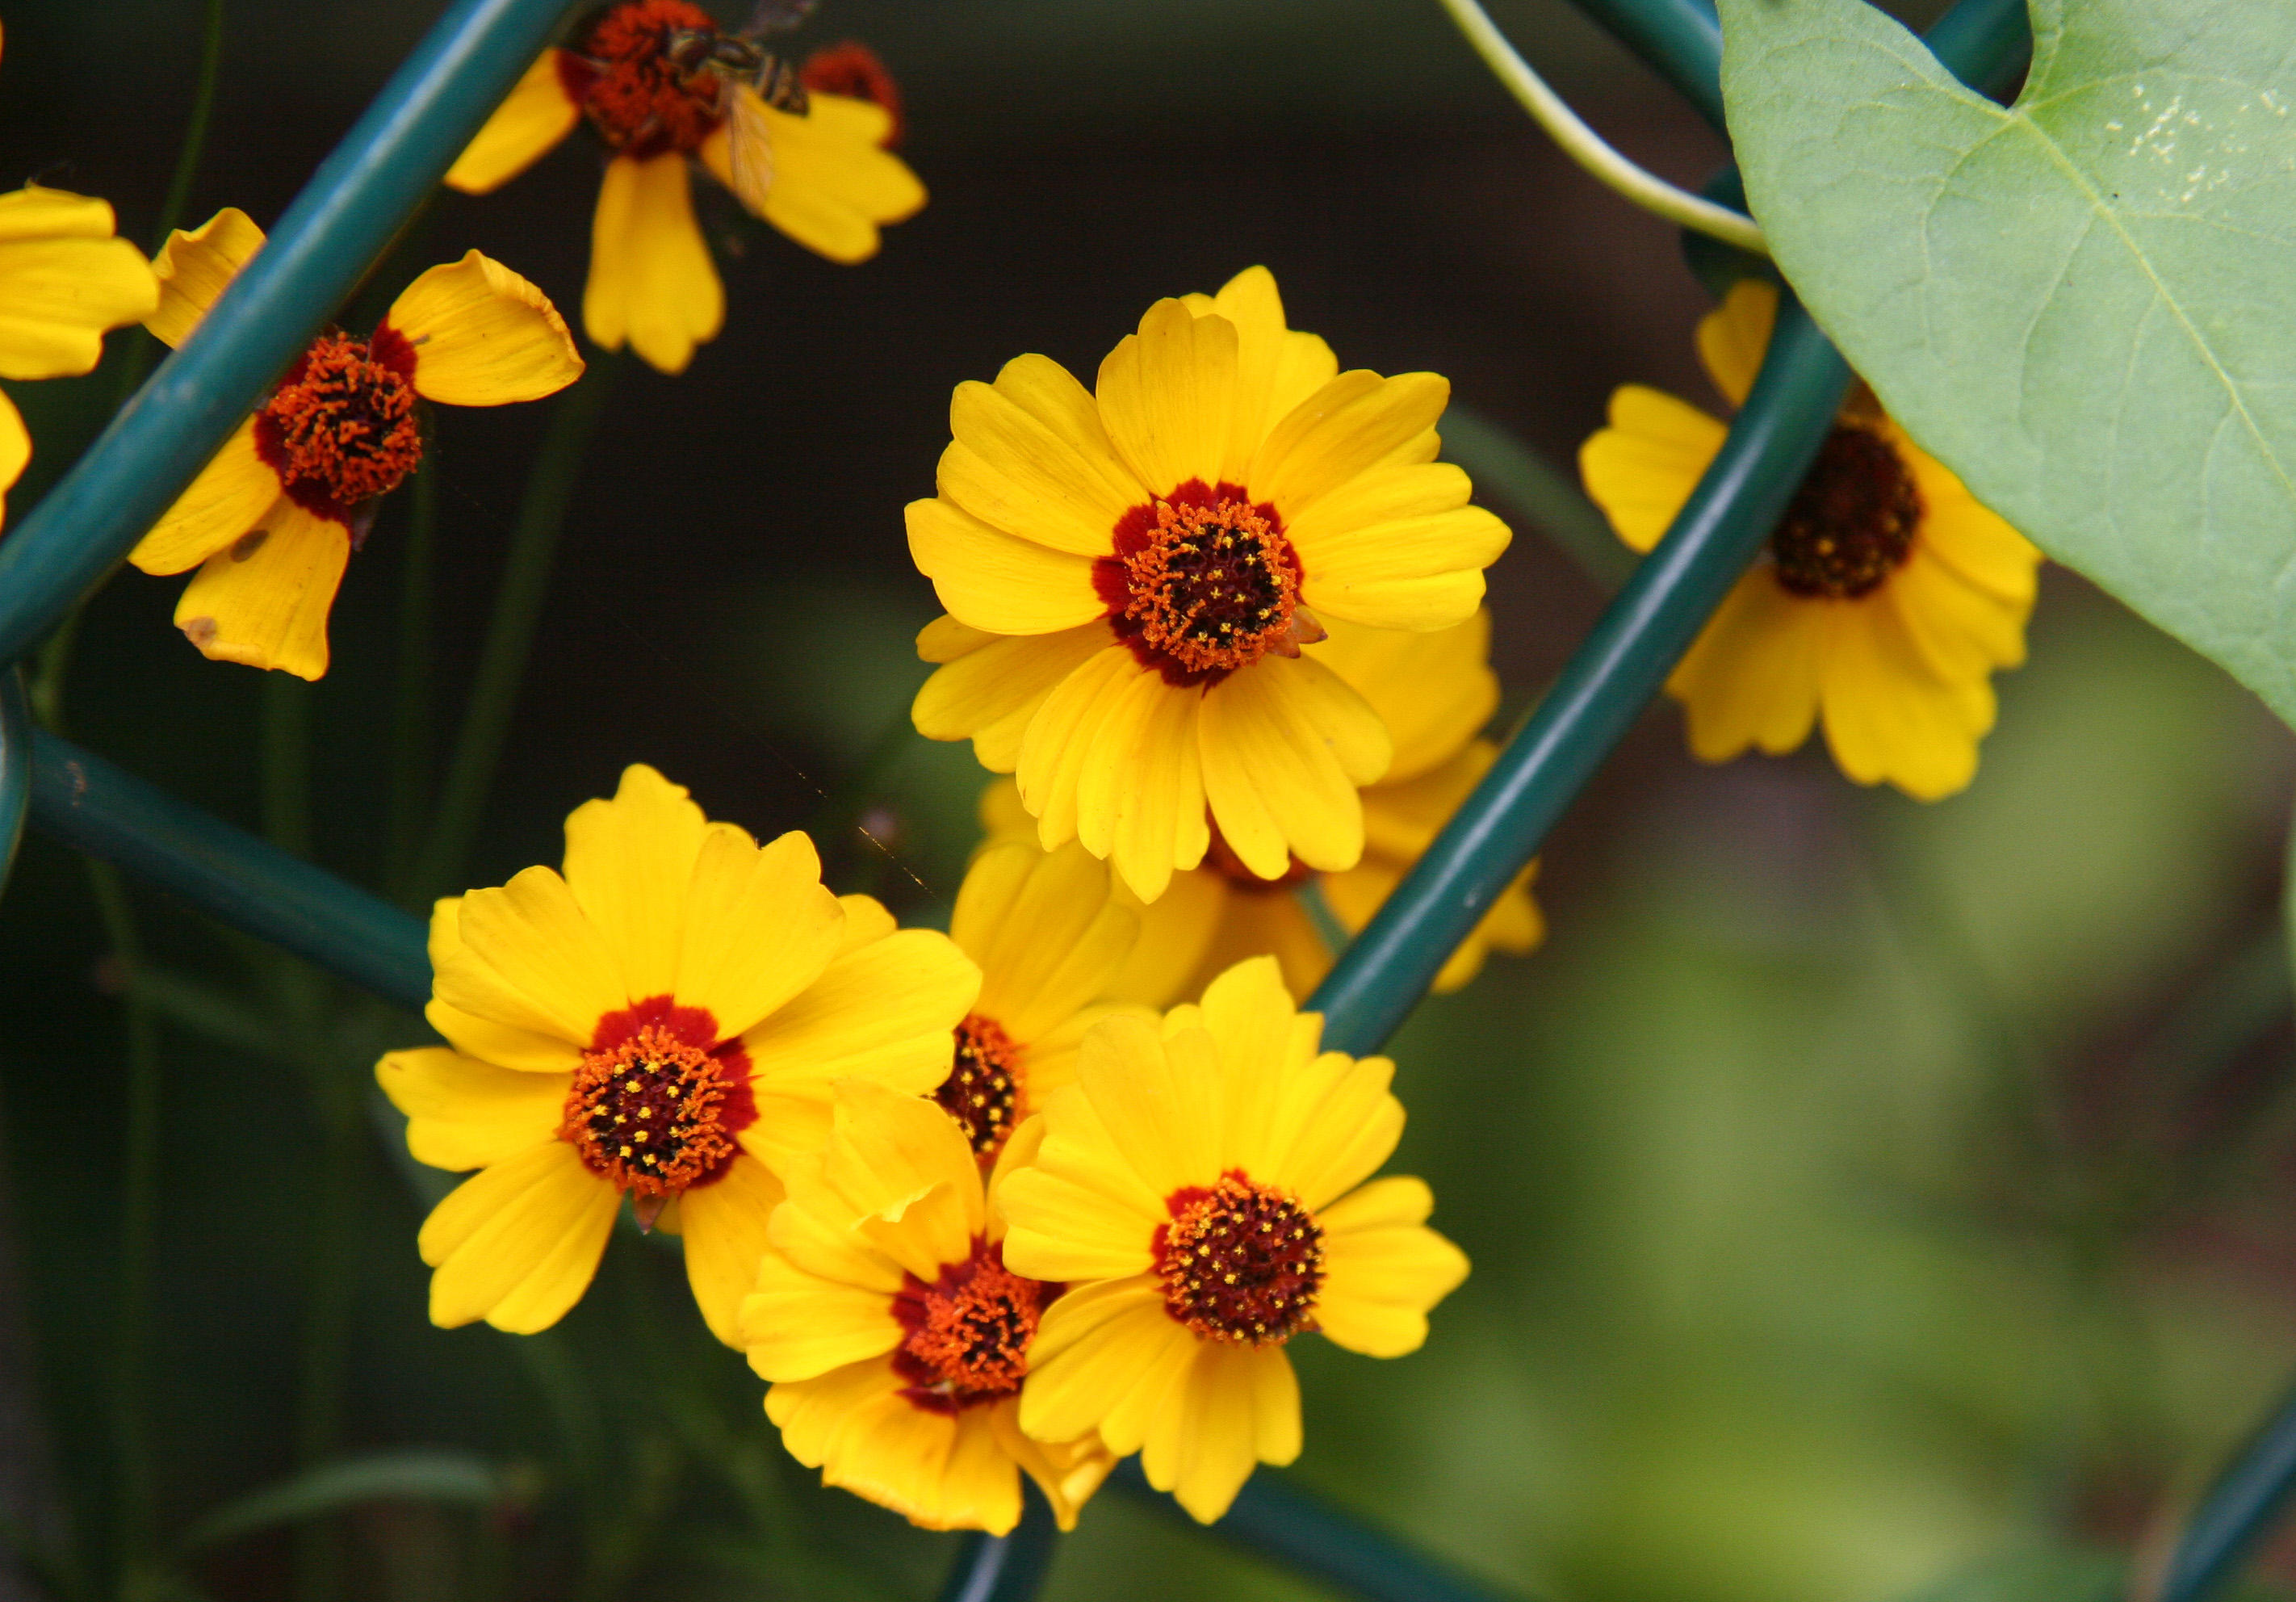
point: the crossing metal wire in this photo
(342, 221)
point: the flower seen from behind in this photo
(641, 72)
(897, 1339)
(1199, 1190)
(1885, 601)
(1434, 691)
(1131, 573)
(65, 279)
(663, 1021)
(272, 520)
(1050, 940)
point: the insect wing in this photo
(775, 16)
(748, 149)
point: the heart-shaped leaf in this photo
(2085, 304)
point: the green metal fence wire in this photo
(333, 234)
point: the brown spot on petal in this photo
(200, 632)
(248, 544)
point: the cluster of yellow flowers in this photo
(1061, 1185)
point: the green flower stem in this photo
(1599, 694)
(1589, 148)
(510, 633)
(1006, 1568)
(342, 220)
(410, 712)
(227, 872)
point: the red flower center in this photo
(965, 1336)
(1204, 582)
(656, 1103)
(852, 70)
(340, 428)
(1852, 520)
(640, 76)
(982, 1091)
(1241, 1262)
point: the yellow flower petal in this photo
(1139, 786)
(15, 448)
(524, 128)
(1345, 429)
(799, 1326)
(725, 1222)
(1342, 1124)
(992, 694)
(1888, 714)
(463, 1113)
(1433, 690)
(889, 1152)
(1420, 572)
(1383, 1268)
(1168, 395)
(651, 282)
(1961, 532)
(1733, 337)
(483, 336)
(518, 1243)
(233, 494)
(814, 1229)
(195, 267)
(263, 599)
(997, 581)
(882, 1012)
(629, 864)
(502, 1044)
(1642, 468)
(1067, 1472)
(832, 182)
(62, 283)
(944, 640)
(1106, 1357)
(1751, 676)
(1158, 1100)
(1176, 932)
(1204, 1444)
(1285, 744)
(1028, 456)
(760, 926)
(814, 1413)
(1275, 368)
(531, 957)
(1060, 738)
(1045, 932)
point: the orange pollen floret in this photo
(982, 1091)
(649, 1114)
(965, 1336)
(1241, 1262)
(1204, 582)
(342, 423)
(640, 75)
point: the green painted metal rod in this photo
(334, 231)
(226, 872)
(2240, 1509)
(1680, 40)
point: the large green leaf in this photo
(2084, 304)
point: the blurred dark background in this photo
(1859, 1191)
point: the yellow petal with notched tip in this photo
(725, 1226)
(15, 448)
(1642, 468)
(463, 1113)
(1168, 396)
(830, 185)
(652, 285)
(1285, 744)
(518, 1243)
(996, 581)
(263, 599)
(525, 127)
(233, 494)
(194, 269)
(59, 295)
(760, 926)
(629, 862)
(483, 336)
(38, 212)
(1383, 1269)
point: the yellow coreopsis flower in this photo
(1434, 691)
(272, 520)
(664, 1023)
(1130, 571)
(897, 1339)
(1885, 601)
(648, 74)
(1050, 940)
(1201, 1192)
(65, 279)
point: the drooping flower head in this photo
(1050, 940)
(1885, 601)
(1433, 691)
(65, 279)
(1131, 573)
(272, 520)
(897, 1339)
(662, 1023)
(661, 84)
(1199, 1191)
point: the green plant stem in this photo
(326, 1317)
(410, 714)
(1594, 154)
(510, 633)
